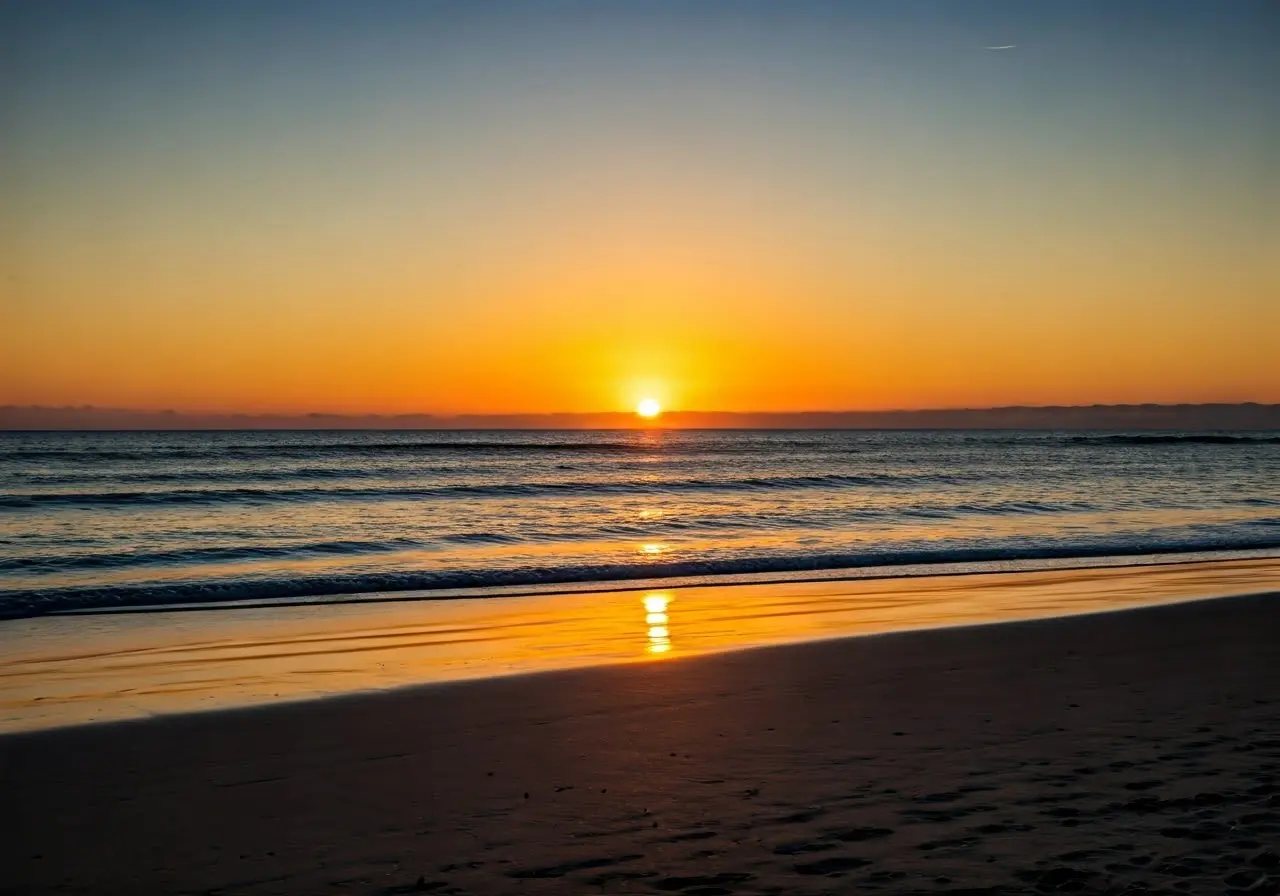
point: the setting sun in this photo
(649, 408)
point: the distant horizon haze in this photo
(1182, 417)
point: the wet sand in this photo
(1125, 752)
(66, 670)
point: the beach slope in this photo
(1111, 753)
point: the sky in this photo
(527, 207)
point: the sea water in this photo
(96, 520)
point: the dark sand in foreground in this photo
(1127, 752)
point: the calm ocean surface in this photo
(125, 519)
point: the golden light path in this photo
(655, 606)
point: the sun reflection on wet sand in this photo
(71, 669)
(656, 617)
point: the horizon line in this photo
(444, 415)
(1209, 416)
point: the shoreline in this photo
(464, 682)
(988, 562)
(93, 669)
(1098, 753)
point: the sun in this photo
(649, 408)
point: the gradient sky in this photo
(563, 206)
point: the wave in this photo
(847, 516)
(195, 475)
(32, 500)
(103, 560)
(1189, 439)
(22, 603)
(220, 554)
(276, 450)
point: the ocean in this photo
(112, 520)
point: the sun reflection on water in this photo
(657, 619)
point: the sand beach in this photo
(1131, 751)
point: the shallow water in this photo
(120, 519)
(67, 670)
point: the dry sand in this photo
(1127, 752)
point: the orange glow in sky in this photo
(808, 207)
